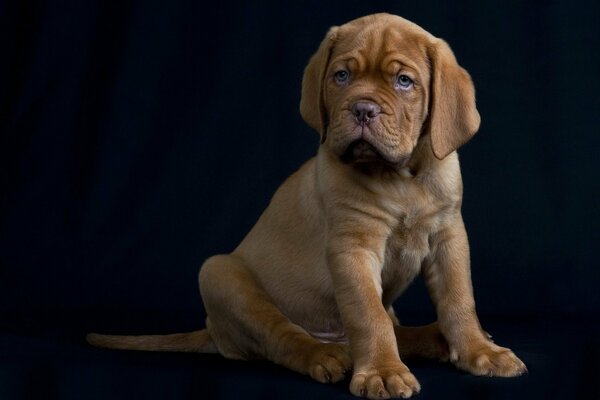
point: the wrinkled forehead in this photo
(377, 43)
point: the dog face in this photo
(378, 84)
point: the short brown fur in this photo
(311, 286)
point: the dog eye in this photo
(341, 76)
(404, 82)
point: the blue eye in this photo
(341, 76)
(404, 82)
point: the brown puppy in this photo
(311, 286)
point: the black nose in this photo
(364, 111)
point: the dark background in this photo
(137, 138)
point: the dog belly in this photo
(330, 337)
(313, 309)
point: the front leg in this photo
(448, 278)
(355, 262)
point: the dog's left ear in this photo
(312, 107)
(453, 117)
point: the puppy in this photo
(311, 286)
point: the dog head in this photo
(379, 83)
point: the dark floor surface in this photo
(44, 356)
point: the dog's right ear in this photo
(312, 107)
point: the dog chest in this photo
(407, 247)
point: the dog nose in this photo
(364, 111)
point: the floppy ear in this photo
(453, 117)
(312, 107)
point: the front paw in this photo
(383, 382)
(486, 358)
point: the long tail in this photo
(191, 342)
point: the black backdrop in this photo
(137, 138)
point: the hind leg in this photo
(419, 341)
(244, 323)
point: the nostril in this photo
(365, 111)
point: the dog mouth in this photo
(361, 151)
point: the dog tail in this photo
(189, 342)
